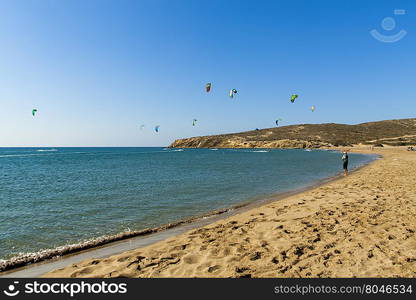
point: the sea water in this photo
(51, 197)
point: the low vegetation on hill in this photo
(390, 132)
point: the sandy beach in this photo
(362, 225)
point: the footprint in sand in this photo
(191, 259)
(255, 256)
(83, 271)
(213, 269)
(96, 262)
(180, 247)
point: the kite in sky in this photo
(232, 93)
(293, 97)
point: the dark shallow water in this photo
(52, 197)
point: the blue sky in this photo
(97, 70)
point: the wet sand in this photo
(359, 226)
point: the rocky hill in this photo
(390, 132)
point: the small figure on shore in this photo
(345, 162)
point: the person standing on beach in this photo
(345, 162)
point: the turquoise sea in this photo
(50, 197)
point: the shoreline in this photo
(86, 249)
(362, 225)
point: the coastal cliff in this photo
(390, 132)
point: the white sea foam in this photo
(46, 150)
(19, 155)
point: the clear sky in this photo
(97, 70)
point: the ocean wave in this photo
(214, 149)
(46, 150)
(19, 155)
(29, 154)
(178, 150)
(40, 154)
(260, 151)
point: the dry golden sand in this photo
(359, 226)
